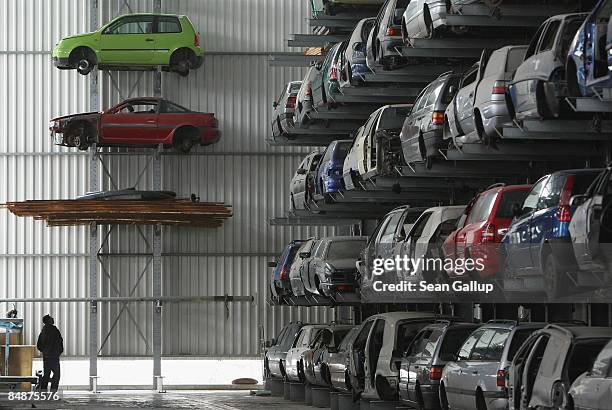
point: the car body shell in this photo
(277, 353)
(539, 232)
(118, 126)
(421, 137)
(479, 108)
(593, 389)
(353, 63)
(324, 86)
(329, 171)
(281, 284)
(491, 208)
(134, 50)
(337, 362)
(325, 345)
(554, 358)
(284, 108)
(539, 85)
(376, 352)
(304, 102)
(301, 187)
(591, 226)
(433, 347)
(385, 38)
(589, 59)
(294, 362)
(473, 376)
(376, 149)
(299, 268)
(330, 273)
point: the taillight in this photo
(291, 102)
(333, 73)
(435, 373)
(488, 234)
(501, 378)
(344, 288)
(308, 90)
(437, 118)
(564, 213)
(394, 31)
(284, 273)
(196, 40)
(499, 87)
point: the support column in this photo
(157, 308)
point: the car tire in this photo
(83, 59)
(420, 403)
(555, 279)
(443, 398)
(481, 404)
(183, 144)
(81, 137)
(181, 61)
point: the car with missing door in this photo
(337, 361)
(284, 108)
(132, 42)
(277, 350)
(476, 377)
(385, 38)
(294, 361)
(593, 389)
(299, 267)
(326, 344)
(280, 285)
(353, 63)
(137, 122)
(329, 171)
(547, 364)
(302, 188)
(421, 371)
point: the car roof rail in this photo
(576, 322)
(559, 328)
(496, 185)
(446, 73)
(502, 321)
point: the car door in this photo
(454, 372)
(547, 371)
(409, 246)
(357, 355)
(594, 214)
(464, 101)
(475, 367)
(167, 36)
(128, 40)
(518, 242)
(413, 363)
(373, 347)
(298, 183)
(369, 158)
(133, 122)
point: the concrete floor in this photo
(214, 400)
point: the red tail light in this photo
(291, 102)
(394, 31)
(564, 212)
(437, 118)
(333, 73)
(499, 87)
(501, 378)
(435, 373)
(196, 40)
(488, 234)
(284, 273)
(308, 90)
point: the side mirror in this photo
(304, 255)
(272, 264)
(275, 104)
(301, 171)
(577, 200)
(517, 210)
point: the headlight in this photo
(329, 270)
(51, 125)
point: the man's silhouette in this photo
(51, 345)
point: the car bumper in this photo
(332, 185)
(209, 135)
(199, 60)
(494, 116)
(433, 141)
(429, 393)
(390, 48)
(496, 403)
(61, 62)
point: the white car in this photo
(376, 355)
(593, 389)
(294, 361)
(377, 148)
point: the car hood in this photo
(343, 264)
(77, 36)
(85, 114)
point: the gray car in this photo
(423, 130)
(332, 267)
(337, 362)
(353, 61)
(550, 361)
(422, 364)
(300, 264)
(282, 117)
(593, 389)
(304, 102)
(476, 379)
(538, 89)
(325, 345)
(385, 38)
(479, 110)
(325, 83)
(302, 184)
(277, 352)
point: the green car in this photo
(134, 42)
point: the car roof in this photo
(395, 316)
(153, 14)
(344, 238)
(508, 188)
(442, 324)
(577, 171)
(441, 208)
(511, 324)
(581, 332)
(143, 99)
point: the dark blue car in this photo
(281, 285)
(589, 62)
(329, 171)
(537, 247)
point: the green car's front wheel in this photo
(83, 59)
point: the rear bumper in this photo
(209, 135)
(199, 60)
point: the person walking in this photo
(51, 345)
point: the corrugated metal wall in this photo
(236, 84)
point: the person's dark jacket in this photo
(50, 342)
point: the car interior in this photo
(374, 347)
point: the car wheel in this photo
(183, 144)
(83, 59)
(555, 279)
(181, 61)
(80, 137)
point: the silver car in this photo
(476, 379)
(277, 352)
(282, 117)
(332, 268)
(422, 132)
(304, 104)
(538, 89)
(479, 110)
(385, 38)
(302, 184)
(593, 389)
(353, 62)
(299, 266)
(294, 361)
(337, 362)
(376, 150)
(325, 345)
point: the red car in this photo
(137, 122)
(482, 227)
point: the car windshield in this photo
(344, 249)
